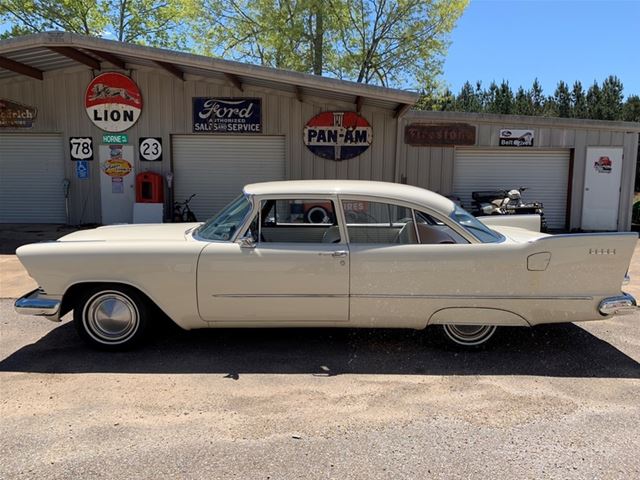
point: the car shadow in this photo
(564, 350)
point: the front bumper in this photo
(40, 304)
(621, 305)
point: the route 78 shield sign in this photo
(338, 135)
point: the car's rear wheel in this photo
(111, 317)
(469, 335)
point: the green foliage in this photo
(631, 109)
(601, 102)
(153, 22)
(400, 42)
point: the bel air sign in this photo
(337, 135)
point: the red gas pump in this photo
(149, 188)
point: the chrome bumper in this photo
(38, 303)
(621, 305)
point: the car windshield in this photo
(475, 227)
(224, 224)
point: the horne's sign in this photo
(440, 135)
(338, 135)
(16, 115)
(227, 115)
(113, 102)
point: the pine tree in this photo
(504, 98)
(523, 104)
(578, 101)
(594, 102)
(562, 100)
(467, 100)
(631, 109)
(611, 98)
(537, 98)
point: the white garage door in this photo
(216, 168)
(31, 175)
(544, 172)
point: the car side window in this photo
(295, 221)
(377, 222)
(433, 231)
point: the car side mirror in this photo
(247, 242)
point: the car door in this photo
(286, 271)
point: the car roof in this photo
(395, 191)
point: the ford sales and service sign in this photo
(337, 135)
(227, 115)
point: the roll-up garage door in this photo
(216, 168)
(545, 173)
(31, 175)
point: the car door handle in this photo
(336, 254)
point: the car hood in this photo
(136, 232)
(519, 235)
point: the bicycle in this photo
(182, 212)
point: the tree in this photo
(537, 98)
(153, 22)
(594, 102)
(468, 99)
(611, 98)
(523, 104)
(631, 109)
(578, 101)
(504, 98)
(399, 42)
(562, 100)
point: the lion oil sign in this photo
(113, 102)
(337, 135)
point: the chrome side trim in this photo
(620, 305)
(392, 296)
(626, 280)
(37, 303)
(474, 297)
(279, 295)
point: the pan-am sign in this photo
(113, 102)
(338, 135)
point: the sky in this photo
(553, 40)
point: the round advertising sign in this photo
(113, 102)
(338, 135)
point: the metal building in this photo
(93, 114)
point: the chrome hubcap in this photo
(469, 335)
(111, 317)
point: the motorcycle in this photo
(506, 202)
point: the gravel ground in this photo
(550, 402)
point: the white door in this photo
(31, 176)
(601, 198)
(117, 183)
(216, 168)
(545, 174)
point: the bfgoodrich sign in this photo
(227, 115)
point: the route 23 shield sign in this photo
(337, 135)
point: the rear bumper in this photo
(40, 304)
(620, 305)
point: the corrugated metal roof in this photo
(33, 50)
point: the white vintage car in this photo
(382, 255)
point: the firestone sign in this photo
(227, 115)
(113, 102)
(338, 135)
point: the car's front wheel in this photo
(111, 317)
(469, 335)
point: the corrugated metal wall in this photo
(432, 167)
(167, 110)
